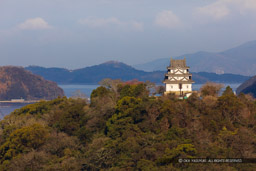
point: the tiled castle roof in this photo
(178, 63)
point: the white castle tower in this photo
(178, 80)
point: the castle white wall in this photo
(175, 87)
(177, 78)
(178, 71)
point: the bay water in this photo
(70, 90)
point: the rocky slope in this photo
(16, 83)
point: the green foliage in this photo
(228, 91)
(133, 90)
(99, 92)
(71, 118)
(40, 107)
(146, 165)
(182, 151)
(127, 113)
(21, 140)
(101, 96)
(128, 105)
(176, 133)
(230, 106)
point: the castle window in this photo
(171, 87)
(187, 86)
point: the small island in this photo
(20, 85)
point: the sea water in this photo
(70, 90)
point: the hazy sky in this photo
(79, 33)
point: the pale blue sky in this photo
(79, 33)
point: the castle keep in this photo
(178, 80)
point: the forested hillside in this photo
(248, 87)
(126, 128)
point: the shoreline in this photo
(18, 102)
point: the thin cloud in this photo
(249, 4)
(138, 26)
(95, 22)
(223, 8)
(167, 19)
(34, 24)
(100, 22)
(217, 10)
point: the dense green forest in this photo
(126, 127)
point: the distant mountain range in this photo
(118, 70)
(239, 60)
